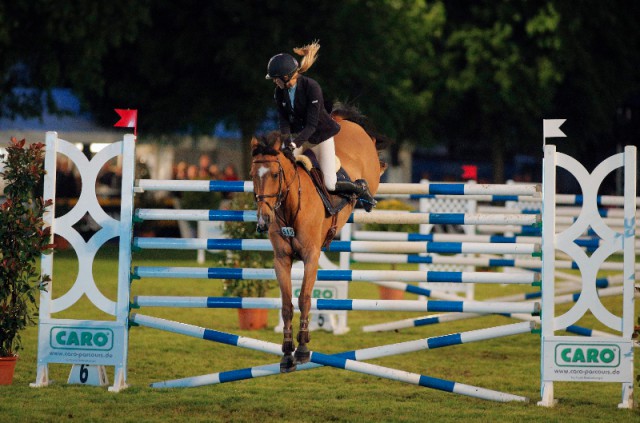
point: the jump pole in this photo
(531, 264)
(449, 317)
(346, 360)
(441, 237)
(340, 246)
(457, 189)
(337, 275)
(479, 192)
(352, 305)
(356, 217)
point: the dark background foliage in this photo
(475, 76)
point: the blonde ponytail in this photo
(309, 53)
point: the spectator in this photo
(203, 166)
(214, 172)
(66, 182)
(181, 170)
(192, 172)
(230, 174)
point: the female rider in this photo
(303, 118)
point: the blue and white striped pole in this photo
(531, 264)
(346, 360)
(449, 317)
(562, 199)
(385, 188)
(380, 216)
(414, 378)
(454, 260)
(194, 185)
(452, 317)
(479, 192)
(339, 304)
(337, 275)
(340, 246)
(437, 237)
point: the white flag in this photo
(551, 128)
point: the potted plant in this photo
(250, 319)
(23, 238)
(391, 293)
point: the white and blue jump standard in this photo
(88, 345)
(594, 359)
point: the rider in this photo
(301, 111)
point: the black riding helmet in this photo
(281, 66)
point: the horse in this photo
(289, 207)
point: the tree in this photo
(498, 76)
(506, 65)
(197, 64)
(46, 44)
(600, 74)
(470, 74)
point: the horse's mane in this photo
(266, 146)
(352, 114)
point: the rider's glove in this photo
(292, 145)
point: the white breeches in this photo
(326, 154)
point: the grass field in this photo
(508, 364)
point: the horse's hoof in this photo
(302, 354)
(287, 364)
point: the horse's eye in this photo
(274, 175)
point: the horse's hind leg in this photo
(283, 272)
(303, 353)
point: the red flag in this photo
(470, 172)
(128, 119)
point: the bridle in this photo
(281, 195)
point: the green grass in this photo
(508, 364)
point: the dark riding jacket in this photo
(308, 119)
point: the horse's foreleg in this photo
(303, 354)
(282, 267)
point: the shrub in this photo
(248, 259)
(23, 238)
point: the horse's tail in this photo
(309, 55)
(351, 113)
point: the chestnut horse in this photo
(287, 198)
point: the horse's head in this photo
(268, 171)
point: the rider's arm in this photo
(313, 105)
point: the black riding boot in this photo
(360, 189)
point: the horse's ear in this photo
(254, 143)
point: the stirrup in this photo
(364, 196)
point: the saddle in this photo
(333, 203)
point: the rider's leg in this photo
(326, 154)
(360, 189)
